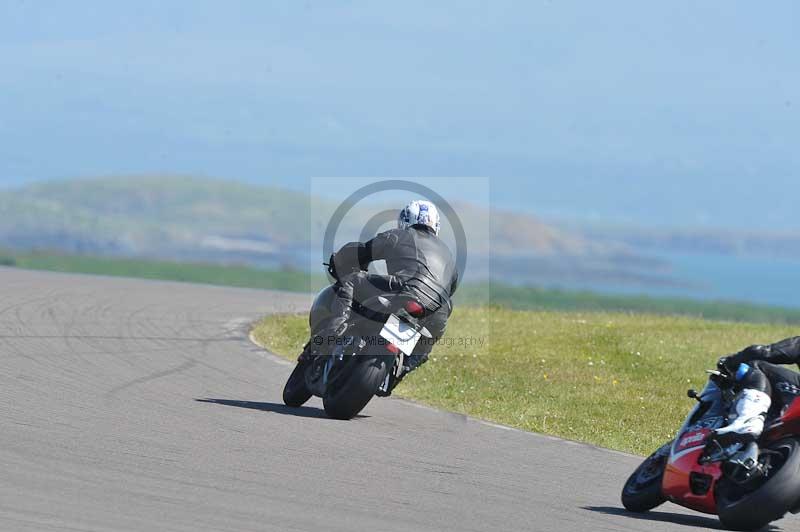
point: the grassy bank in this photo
(533, 298)
(239, 276)
(613, 379)
(512, 297)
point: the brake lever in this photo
(722, 379)
(331, 269)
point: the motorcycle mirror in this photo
(692, 394)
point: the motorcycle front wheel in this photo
(295, 392)
(642, 490)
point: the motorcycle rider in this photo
(759, 380)
(417, 262)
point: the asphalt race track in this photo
(140, 405)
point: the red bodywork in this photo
(683, 461)
(676, 483)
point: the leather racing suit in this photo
(417, 261)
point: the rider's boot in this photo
(307, 354)
(747, 457)
(412, 363)
(746, 424)
(749, 413)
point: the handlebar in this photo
(331, 269)
(722, 378)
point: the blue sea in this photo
(725, 277)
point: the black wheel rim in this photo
(652, 471)
(649, 471)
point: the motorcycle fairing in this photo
(683, 463)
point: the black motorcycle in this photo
(383, 330)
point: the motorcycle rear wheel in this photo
(780, 493)
(642, 490)
(351, 393)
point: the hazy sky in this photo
(669, 113)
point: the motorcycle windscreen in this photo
(706, 416)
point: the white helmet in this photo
(419, 212)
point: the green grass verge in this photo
(612, 379)
(239, 276)
(534, 298)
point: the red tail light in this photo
(393, 349)
(415, 309)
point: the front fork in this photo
(322, 372)
(336, 357)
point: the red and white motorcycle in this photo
(695, 471)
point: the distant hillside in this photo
(758, 244)
(176, 217)
(149, 215)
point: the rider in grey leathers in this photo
(417, 262)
